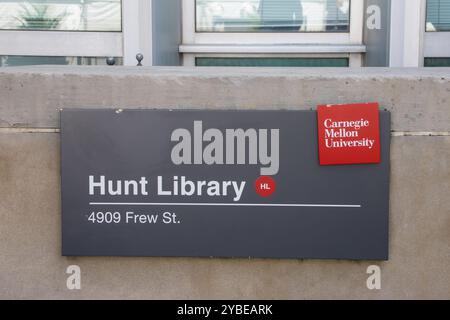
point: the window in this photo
(437, 62)
(6, 61)
(272, 15)
(272, 32)
(66, 15)
(271, 62)
(67, 32)
(438, 15)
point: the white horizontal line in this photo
(287, 205)
(393, 133)
(29, 130)
(12, 129)
(420, 133)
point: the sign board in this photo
(216, 184)
(349, 134)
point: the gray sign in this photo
(183, 183)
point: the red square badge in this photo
(349, 134)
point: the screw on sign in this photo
(265, 186)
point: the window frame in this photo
(49, 43)
(334, 43)
(354, 35)
(73, 43)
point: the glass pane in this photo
(69, 15)
(437, 62)
(8, 61)
(438, 15)
(272, 15)
(271, 62)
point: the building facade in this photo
(290, 33)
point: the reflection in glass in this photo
(438, 15)
(9, 61)
(271, 62)
(437, 62)
(272, 15)
(69, 15)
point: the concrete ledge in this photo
(31, 96)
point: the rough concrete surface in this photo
(31, 96)
(31, 265)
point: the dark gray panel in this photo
(136, 143)
(166, 33)
(377, 40)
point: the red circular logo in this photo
(265, 186)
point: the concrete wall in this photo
(30, 262)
